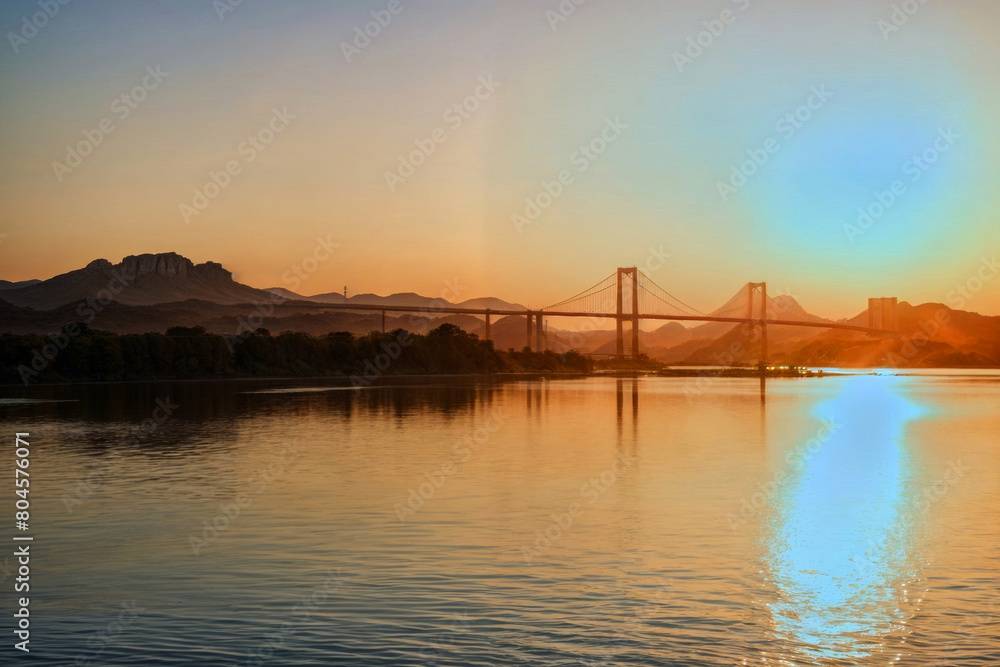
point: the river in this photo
(838, 520)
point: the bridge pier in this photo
(539, 334)
(530, 319)
(487, 324)
(763, 342)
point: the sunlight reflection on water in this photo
(838, 545)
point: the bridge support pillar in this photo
(487, 324)
(620, 316)
(635, 312)
(763, 325)
(752, 290)
(530, 315)
(619, 338)
(539, 333)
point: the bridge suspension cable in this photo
(737, 306)
(593, 299)
(655, 299)
(602, 299)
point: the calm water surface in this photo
(849, 520)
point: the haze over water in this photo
(713, 528)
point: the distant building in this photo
(882, 313)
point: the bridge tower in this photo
(754, 289)
(631, 273)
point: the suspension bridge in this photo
(629, 296)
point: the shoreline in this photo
(718, 372)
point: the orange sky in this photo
(309, 136)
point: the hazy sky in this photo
(675, 129)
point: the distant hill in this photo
(6, 284)
(147, 279)
(931, 335)
(490, 302)
(398, 299)
(289, 294)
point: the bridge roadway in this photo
(488, 312)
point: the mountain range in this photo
(153, 292)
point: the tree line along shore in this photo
(79, 354)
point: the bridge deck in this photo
(452, 310)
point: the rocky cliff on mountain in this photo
(138, 280)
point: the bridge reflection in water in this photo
(620, 403)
